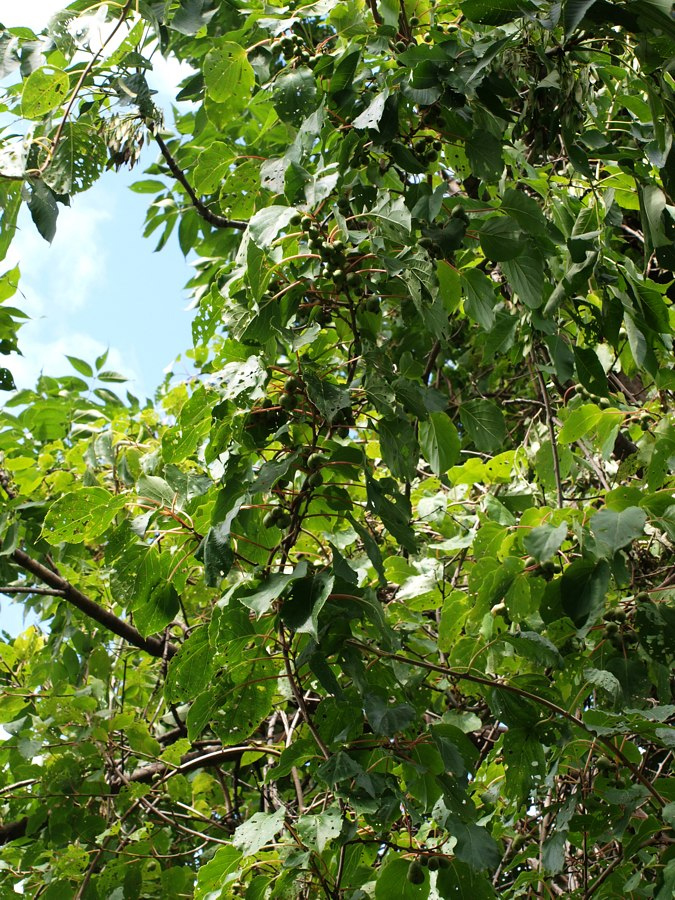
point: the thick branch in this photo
(203, 210)
(153, 646)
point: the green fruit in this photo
(414, 21)
(530, 561)
(415, 873)
(295, 219)
(610, 629)
(437, 145)
(373, 305)
(433, 863)
(642, 597)
(306, 222)
(315, 480)
(338, 274)
(427, 38)
(283, 520)
(292, 385)
(270, 518)
(287, 402)
(604, 764)
(315, 461)
(431, 155)
(443, 862)
(400, 46)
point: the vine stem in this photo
(552, 436)
(297, 693)
(76, 90)
(520, 692)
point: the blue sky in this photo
(98, 285)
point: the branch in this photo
(29, 589)
(526, 695)
(196, 759)
(203, 210)
(153, 646)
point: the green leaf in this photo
(591, 374)
(295, 95)
(580, 422)
(219, 871)
(501, 239)
(228, 75)
(614, 530)
(525, 274)
(261, 600)
(495, 12)
(213, 164)
(266, 224)
(398, 444)
(78, 161)
(216, 553)
(460, 882)
(81, 516)
(300, 610)
(258, 831)
(440, 442)
(475, 845)
(328, 398)
(393, 884)
(81, 366)
(583, 587)
(191, 668)
(157, 611)
(480, 297)
(385, 717)
(43, 210)
(45, 89)
(526, 211)
(545, 540)
(192, 16)
(484, 151)
(484, 424)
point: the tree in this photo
(379, 603)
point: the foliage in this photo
(379, 603)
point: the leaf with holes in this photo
(81, 515)
(45, 89)
(77, 162)
(228, 75)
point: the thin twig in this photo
(552, 436)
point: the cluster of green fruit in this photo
(616, 630)
(288, 399)
(278, 516)
(427, 149)
(294, 47)
(337, 260)
(546, 570)
(415, 874)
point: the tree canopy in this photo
(379, 603)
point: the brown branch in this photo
(153, 646)
(526, 695)
(201, 208)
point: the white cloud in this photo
(74, 264)
(44, 354)
(35, 14)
